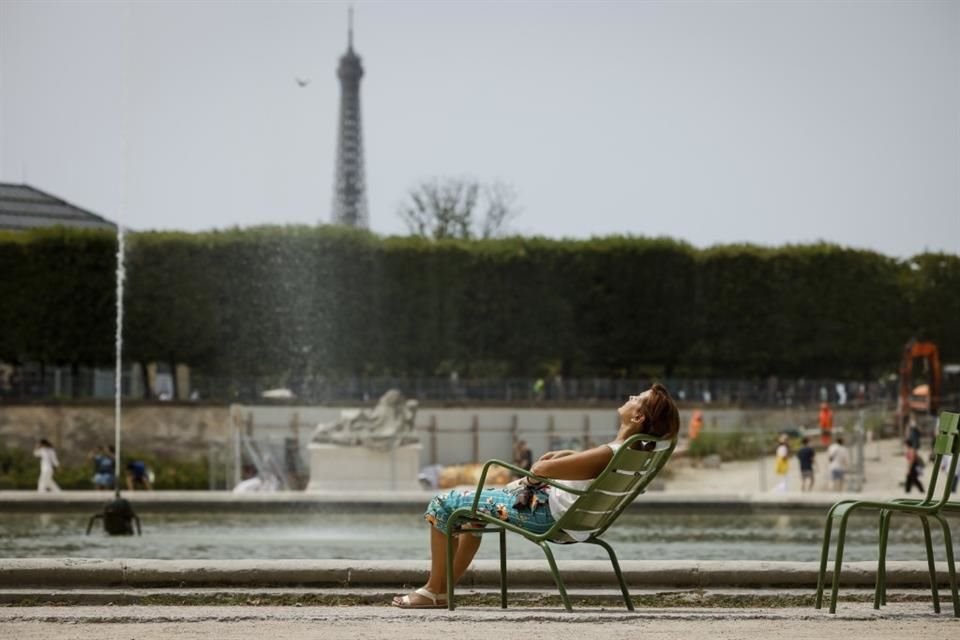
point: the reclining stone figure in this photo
(389, 424)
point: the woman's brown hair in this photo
(662, 415)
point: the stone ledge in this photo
(692, 574)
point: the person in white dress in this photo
(48, 464)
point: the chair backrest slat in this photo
(627, 474)
(947, 443)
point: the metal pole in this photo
(761, 449)
(861, 469)
(237, 470)
(476, 438)
(212, 467)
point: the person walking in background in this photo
(48, 464)
(826, 424)
(914, 467)
(805, 457)
(538, 389)
(695, 425)
(913, 432)
(839, 458)
(945, 467)
(782, 464)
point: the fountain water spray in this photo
(118, 371)
(118, 515)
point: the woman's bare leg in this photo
(465, 548)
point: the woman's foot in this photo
(422, 598)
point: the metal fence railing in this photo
(36, 383)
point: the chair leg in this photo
(824, 556)
(450, 585)
(556, 575)
(931, 566)
(503, 568)
(951, 566)
(880, 592)
(616, 569)
(841, 535)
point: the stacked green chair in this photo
(931, 506)
(598, 506)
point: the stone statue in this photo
(387, 425)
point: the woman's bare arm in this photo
(583, 465)
(550, 455)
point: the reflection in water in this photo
(321, 535)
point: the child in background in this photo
(782, 464)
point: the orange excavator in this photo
(920, 390)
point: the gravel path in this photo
(377, 623)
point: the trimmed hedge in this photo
(284, 303)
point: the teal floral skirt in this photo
(524, 507)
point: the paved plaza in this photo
(884, 471)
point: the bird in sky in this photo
(302, 82)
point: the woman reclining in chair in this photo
(534, 507)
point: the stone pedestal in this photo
(338, 468)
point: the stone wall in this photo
(449, 436)
(168, 431)
(188, 431)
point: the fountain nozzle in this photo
(118, 517)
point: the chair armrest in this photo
(519, 471)
(843, 507)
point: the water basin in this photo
(385, 536)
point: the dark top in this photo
(805, 456)
(138, 469)
(104, 464)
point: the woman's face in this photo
(631, 408)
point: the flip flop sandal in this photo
(434, 598)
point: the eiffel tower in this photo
(349, 187)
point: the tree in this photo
(459, 208)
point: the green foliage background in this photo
(281, 302)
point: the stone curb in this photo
(76, 572)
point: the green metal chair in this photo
(598, 506)
(931, 506)
(948, 421)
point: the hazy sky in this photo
(712, 122)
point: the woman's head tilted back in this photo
(662, 415)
